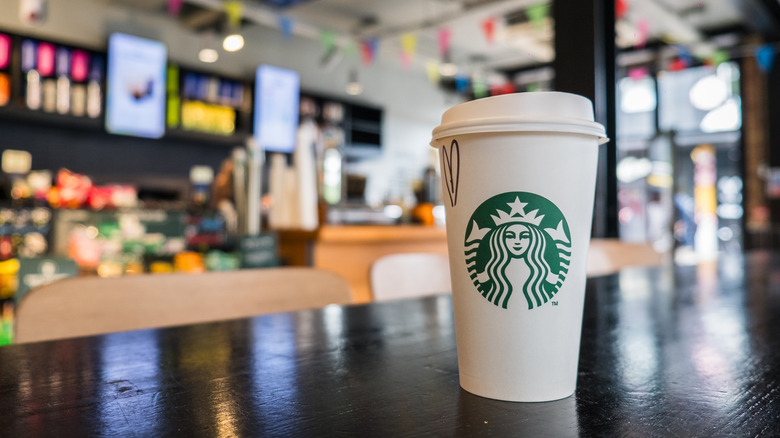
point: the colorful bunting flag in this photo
(719, 57)
(368, 49)
(286, 26)
(328, 40)
(537, 14)
(234, 9)
(366, 52)
(444, 36)
(408, 49)
(489, 29)
(174, 7)
(621, 8)
(432, 69)
(765, 55)
(642, 33)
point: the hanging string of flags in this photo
(685, 58)
(538, 15)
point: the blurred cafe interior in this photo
(151, 137)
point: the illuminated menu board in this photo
(277, 92)
(135, 99)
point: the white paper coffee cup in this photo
(518, 179)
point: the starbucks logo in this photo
(518, 241)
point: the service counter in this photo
(350, 250)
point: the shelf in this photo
(14, 112)
(235, 139)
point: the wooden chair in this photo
(83, 306)
(409, 275)
(607, 256)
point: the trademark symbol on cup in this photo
(554, 303)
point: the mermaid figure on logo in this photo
(517, 257)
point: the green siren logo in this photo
(518, 241)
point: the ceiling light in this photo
(354, 87)
(233, 42)
(208, 55)
(708, 93)
(448, 69)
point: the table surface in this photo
(685, 351)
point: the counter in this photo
(350, 250)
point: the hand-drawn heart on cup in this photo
(451, 168)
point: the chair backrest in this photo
(83, 306)
(606, 256)
(409, 275)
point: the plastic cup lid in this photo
(539, 111)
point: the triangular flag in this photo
(489, 29)
(537, 14)
(444, 35)
(234, 10)
(409, 48)
(328, 40)
(409, 43)
(621, 7)
(719, 57)
(368, 49)
(642, 33)
(765, 55)
(286, 26)
(174, 7)
(432, 69)
(365, 51)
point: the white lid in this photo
(539, 111)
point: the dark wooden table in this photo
(687, 351)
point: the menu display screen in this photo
(277, 92)
(135, 98)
